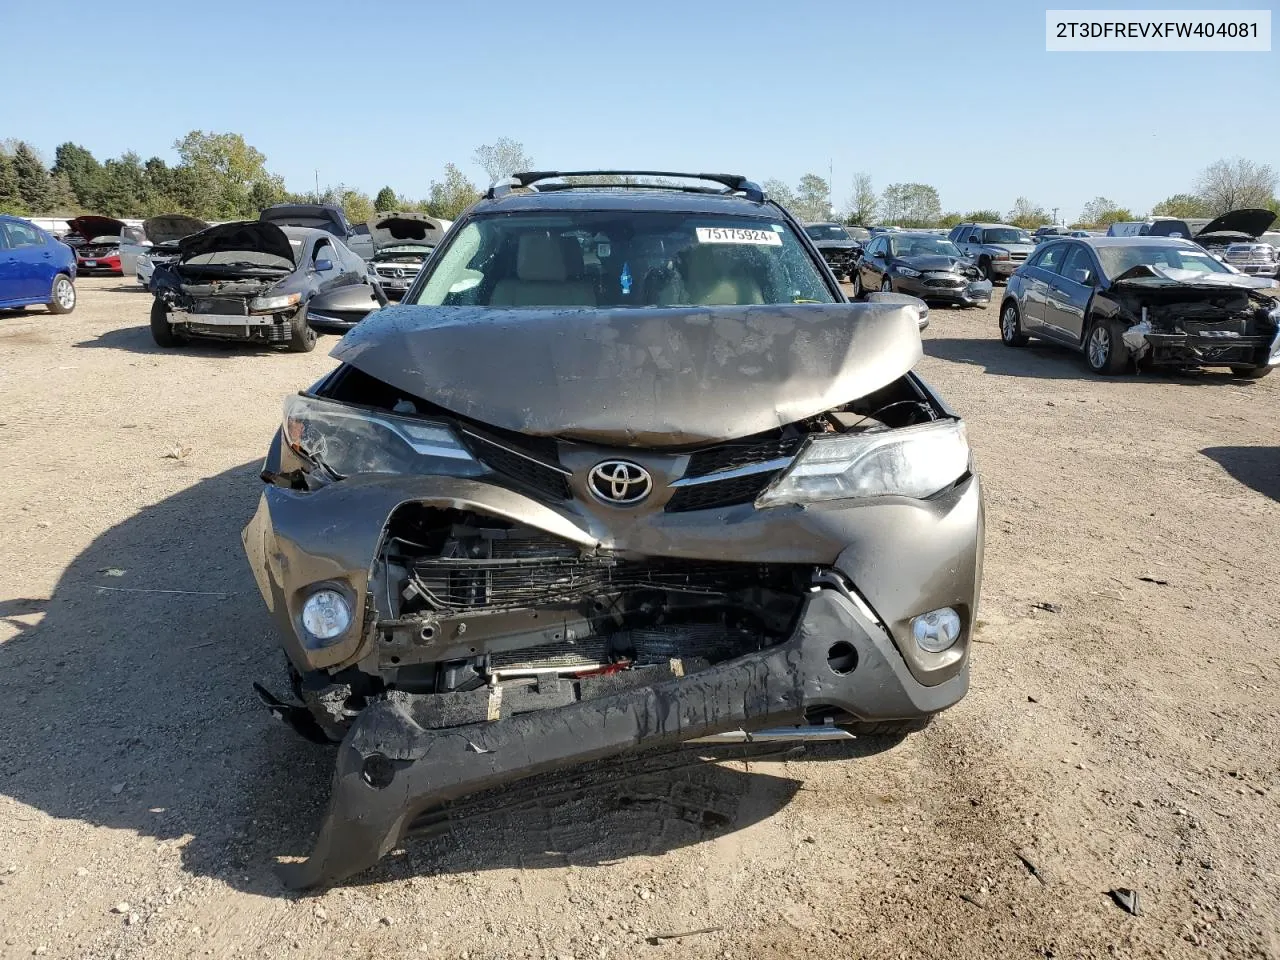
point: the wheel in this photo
(62, 298)
(1011, 326)
(1104, 351)
(856, 280)
(1251, 373)
(984, 264)
(886, 285)
(303, 339)
(161, 331)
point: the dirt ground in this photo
(1125, 736)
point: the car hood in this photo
(398, 229)
(836, 244)
(933, 262)
(259, 235)
(171, 226)
(1250, 222)
(94, 226)
(1147, 277)
(638, 377)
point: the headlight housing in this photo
(1000, 255)
(905, 271)
(912, 462)
(347, 441)
(274, 304)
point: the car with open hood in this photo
(154, 241)
(624, 468)
(35, 268)
(253, 281)
(320, 216)
(923, 265)
(838, 246)
(997, 248)
(401, 244)
(96, 241)
(1157, 301)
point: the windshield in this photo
(827, 231)
(922, 246)
(1005, 235)
(612, 259)
(1117, 260)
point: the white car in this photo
(154, 238)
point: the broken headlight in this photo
(910, 462)
(347, 441)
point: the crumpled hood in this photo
(1146, 276)
(836, 244)
(638, 377)
(91, 226)
(171, 226)
(395, 229)
(1248, 221)
(260, 236)
(934, 262)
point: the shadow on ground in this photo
(138, 340)
(128, 705)
(1256, 467)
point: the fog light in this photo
(936, 630)
(326, 614)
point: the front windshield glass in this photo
(1005, 235)
(827, 231)
(1118, 260)
(922, 245)
(622, 259)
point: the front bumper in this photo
(1191, 350)
(390, 769)
(1005, 268)
(969, 292)
(103, 264)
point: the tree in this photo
(10, 202)
(124, 189)
(1182, 206)
(862, 208)
(1236, 183)
(982, 216)
(951, 219)
(35, 191)
(82, 170)
(781, 194)
(1027, 214)
(813, 198)
(451, 196)
(502, 158)
(357, 206)
(224, 169)
(386, 200)
(1101, 212)
(910, 205)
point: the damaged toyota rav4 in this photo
(624, 469)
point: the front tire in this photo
(1011, 334)
(303, 338)
(1104, 350)
(984, 264)
(1251, 373)
(856, 280)
(161, 330)
(886, 285)
(62, 296)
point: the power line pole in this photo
(317, 186)
(1055, 216)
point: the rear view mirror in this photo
(323, 265)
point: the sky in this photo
(960, 95)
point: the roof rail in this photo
(733, 182)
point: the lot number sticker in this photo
(761, 238)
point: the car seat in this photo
(543, 277)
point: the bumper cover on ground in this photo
(390, 769)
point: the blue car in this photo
(35, 268)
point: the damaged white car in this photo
(1154, 301)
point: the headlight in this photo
(273, 304)
(349, 440)
(906, 271)
(326, 615)
(910, 462)
(1000, 255)
(936, 630)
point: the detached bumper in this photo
(1190, 350)
(390, 769)
(967, 292)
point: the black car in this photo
(254, 281)
(624, 468)
(923, 265)
(1159, 301)
(838, 245)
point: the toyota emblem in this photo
(619, 483)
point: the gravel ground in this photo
(1123, 737)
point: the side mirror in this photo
(1080, 275)
(323, 265)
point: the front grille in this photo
(221, 306)
(720, 493)
(533, 466)
(92, 253)
(951, 282)
(398, 273)
(453, 585)
(1017, 256)
(740, 453)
